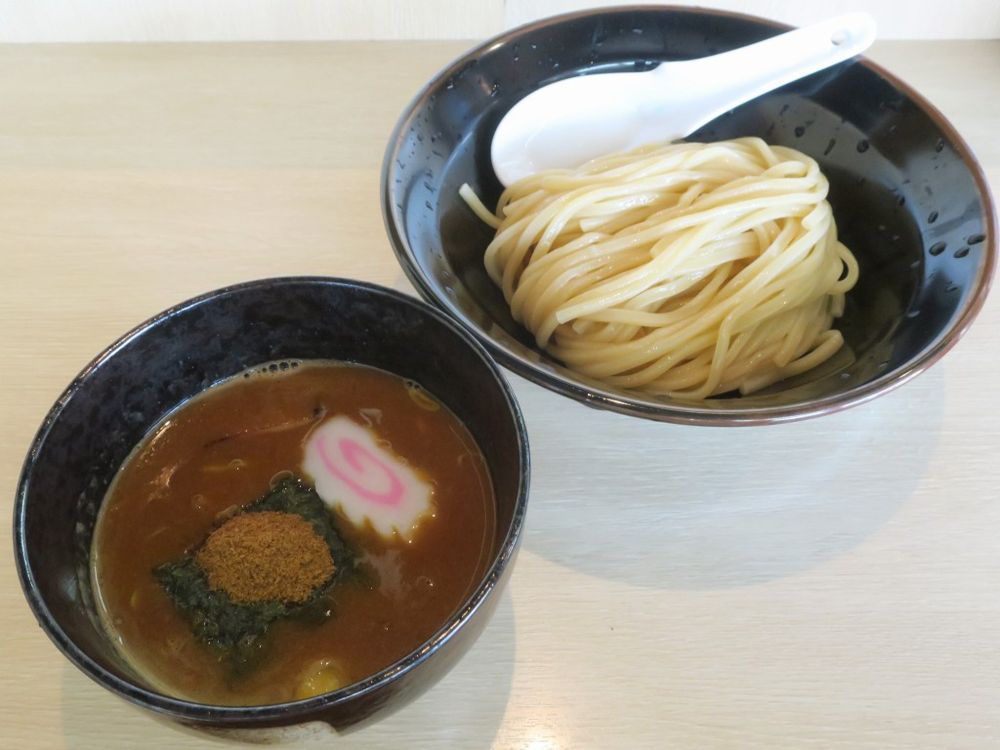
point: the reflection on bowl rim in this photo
(594, 394)
(288, 712)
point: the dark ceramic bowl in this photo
(119, 396)
(908, 197)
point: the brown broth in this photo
(222, 449)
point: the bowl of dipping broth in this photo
(285, 504)
(805, 252)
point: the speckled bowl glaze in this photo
(128, 388)
(909, 198)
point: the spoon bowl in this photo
(570, 122)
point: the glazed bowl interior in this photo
(114, 402)
(907, 196)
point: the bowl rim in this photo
(308, 709)
(594, 395)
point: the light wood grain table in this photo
(827, 584)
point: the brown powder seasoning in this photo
(266, 556)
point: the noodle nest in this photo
(687, 270)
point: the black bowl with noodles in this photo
(127, 389)
(908, 197)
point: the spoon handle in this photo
(721, 82)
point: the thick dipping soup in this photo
(290, 531)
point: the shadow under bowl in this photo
(128, 388)
(908, 197)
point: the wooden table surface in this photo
(827, 584)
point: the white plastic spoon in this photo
(572, 121)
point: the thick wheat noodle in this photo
(688, 269)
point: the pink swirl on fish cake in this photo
(368, 483)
